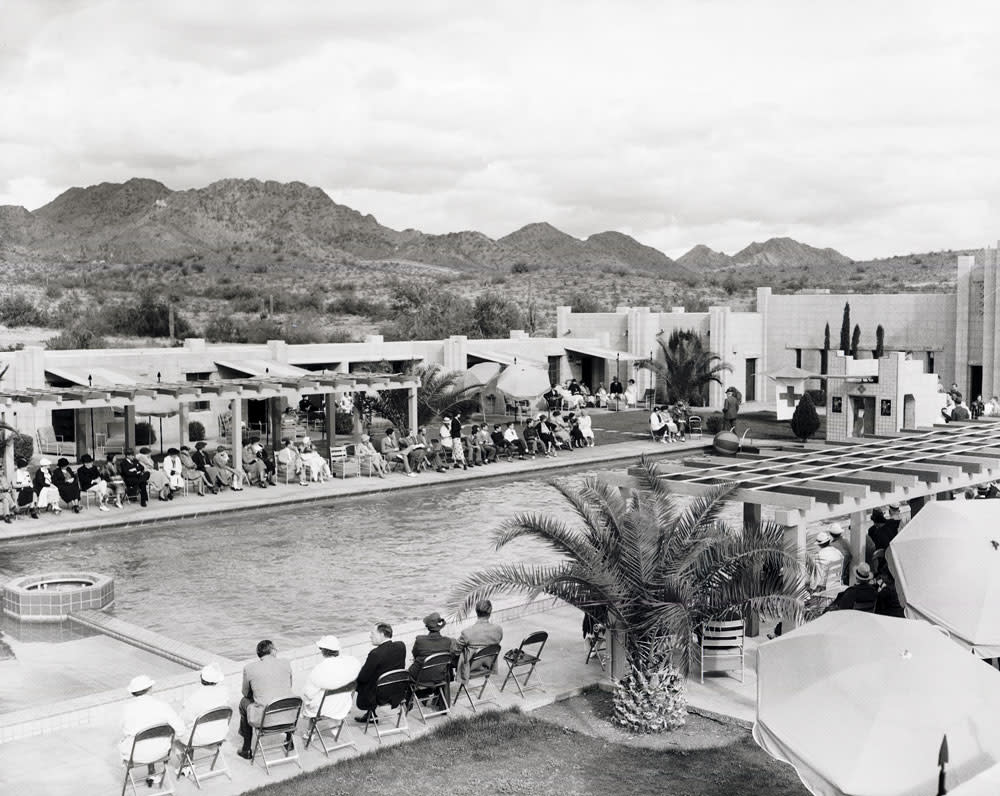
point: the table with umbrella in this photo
(860, 705)
(946, 562)
(522, 382)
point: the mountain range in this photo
(253, 222)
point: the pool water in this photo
(298, 572)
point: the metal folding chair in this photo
(150, 746)
(598, 647)
(432, 681)
(526, 656)
(482, 665)
(392, 689)
(280, 718)
(205, 745)
(317, 722)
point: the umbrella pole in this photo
(93, 436)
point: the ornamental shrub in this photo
(196, 431)
(805, 421)
(144, 434)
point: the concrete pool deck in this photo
(251, 498)
(82, 757)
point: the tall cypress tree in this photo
(826, 338)
(855, 341)
(879, 342)
(845, 330)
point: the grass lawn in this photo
(516, 753)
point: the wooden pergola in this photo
(806, 486)
(176, 395)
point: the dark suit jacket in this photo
(384, 658)
(428, 645)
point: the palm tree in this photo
(687, 367)
(439, 391)
(658, 568)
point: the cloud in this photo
(686, 122)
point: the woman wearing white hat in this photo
(46, 493)
(142, 712)
(212, 694)
(829, 565)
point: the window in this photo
(798, 357)
(202, 375)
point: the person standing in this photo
(457, 449)
(730, 408)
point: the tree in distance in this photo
(805, 421)
(845, 330)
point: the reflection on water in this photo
(295, 573)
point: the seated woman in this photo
(575, 435)
(114, 480)
(319, 468)
(545, 434)
(46, 493)
(173, 469)
(204, 462)
(159, 483)
(679, 413)
(68, 484)
(288, 462)
(89, 476)
(191, 474)
(631, 393)
(366, 451)
(7, 499)
(560, 429)
(601, 396)
(225, 472)
(24, 488)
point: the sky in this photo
(868, 127)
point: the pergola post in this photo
(81, 431)
(795, 537)
(411, 406)
(182, 423)
(8, 449)
(275, 409)
(751, 516)
(330, 417)
(858, 535)
(130, 427)
(236, 433)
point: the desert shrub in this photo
(585, 302)
(148, 317)
(24, 446)
(144, 434)
(225, 329)
(521, 268)
(196, 431)
(714, 424)
(19, 310)
(343, 422)
(79, 336)
(53, 291)
(357, 305)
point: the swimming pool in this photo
(297, 572)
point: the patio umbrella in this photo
(859, 704)
(523, 382)
(480, 375)
(946, 561)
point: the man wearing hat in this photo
(134, 475)
(332, 672)
(212, 694)
(881, 532)
(264, 680)
(431, 642)
(145, 711)
(829, 564)
(730, 408)
(836, 531)
(862, 596)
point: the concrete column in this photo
(237, 434)
(81, 431)
(330, 413)
(990, 330)
(411, 410)
(795, 537)
(751, 514)
(857, 541)
(962, 296)
(275, 409)
(130, 426)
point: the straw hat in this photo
(140, 683)
(863, 573)
(329, 643)
(211, 674)
(823, 538)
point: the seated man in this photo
(487, 450)
(7, 500)
(499, 441)
(89, 475)
(332, 672)
(415, 449)
(475, 637)
(513, 441)
(862, 596)
(210, 696)
(386, 656)
(391, 452)
(134, 475)
(142, 712)
(437, 456)
(264, 680)
(657, 425)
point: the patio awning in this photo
(504, 359)
(261, 368)
(600, 353)
(90, 377)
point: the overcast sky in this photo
(871, 127)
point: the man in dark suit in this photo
(266, 679)
(134, 475)
(386, 656)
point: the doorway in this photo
(863, 414)
(750, 394)
(975, 383)
(909, 412)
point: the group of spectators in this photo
(269, 678)
(670, 423)
(954, 406)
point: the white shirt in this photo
(445, 433)
(141, 713)
(583, 423)
(829, 568)
(332, 672)
(202, 700)
(510, 434)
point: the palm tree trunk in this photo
(616, 642)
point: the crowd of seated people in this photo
(268, 678)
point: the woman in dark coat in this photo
(65, 480)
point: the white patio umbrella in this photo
(480, 375)
(859, 705)
(523, 382)
(946, 562)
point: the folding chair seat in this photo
(150, 746)
(694, 426)
(343, 465)
(319, 723)
(526, 656)
(279, 719)
(482, 665)
(431, 682)
(722, 647)
(392, 688)
(204, 745)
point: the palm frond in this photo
(553, 533)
